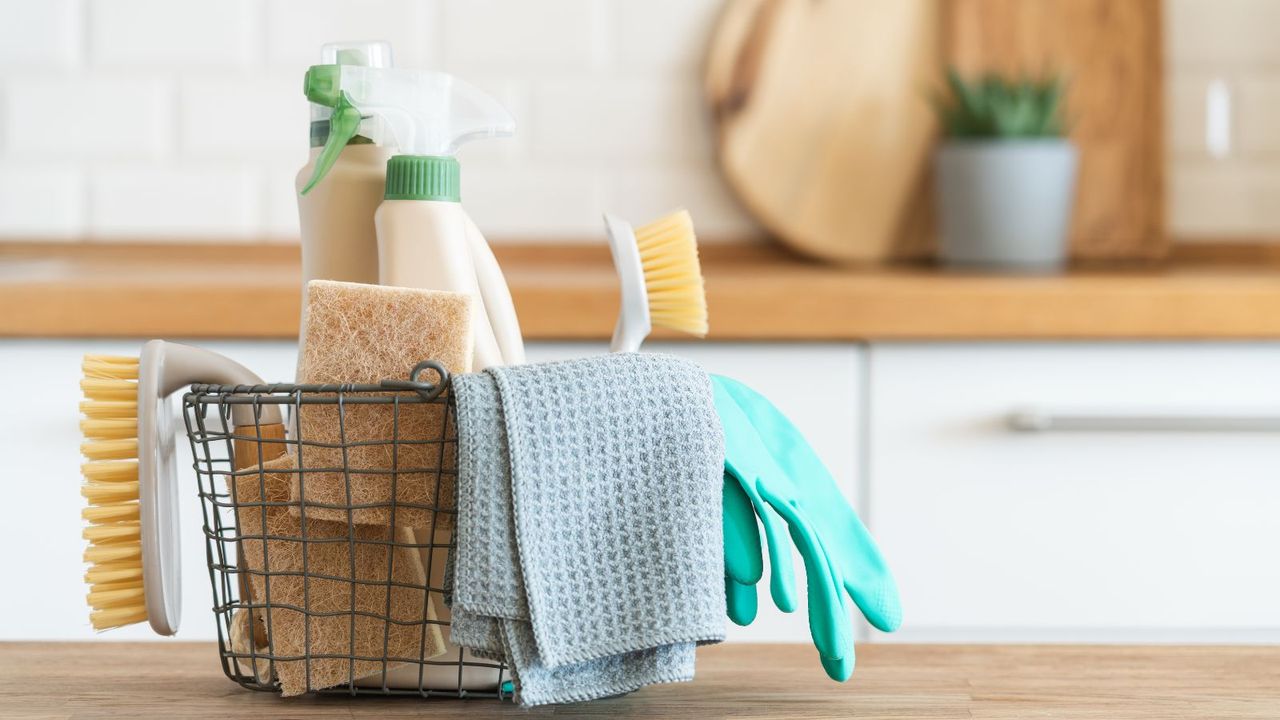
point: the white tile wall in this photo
(178, 119)
(43, 34)
(1231, 41)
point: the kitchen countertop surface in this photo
(755, 292)
(185, 680)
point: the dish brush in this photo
(131, 477)
(660, 276)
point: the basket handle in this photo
(426, 390)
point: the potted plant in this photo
(1005, 173)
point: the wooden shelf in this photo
(755, 292)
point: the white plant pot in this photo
(1005, 204)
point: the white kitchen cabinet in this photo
(818, 385)
(1083, 535)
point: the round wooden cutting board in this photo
(823, 120)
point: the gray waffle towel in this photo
(589, 550)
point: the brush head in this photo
(672, 274)
(110, 489)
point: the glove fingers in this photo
(871, 585)
(878, 601)
(838, 669)
(782, 576)
(854, 554)
(742, 559)
(740, 601)
(830, 623)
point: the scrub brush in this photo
(660, 276)
(131, 479)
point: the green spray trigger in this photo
(343, 125)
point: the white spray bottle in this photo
(425, 238)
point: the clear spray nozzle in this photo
(427, 113)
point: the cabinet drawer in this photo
(1103, 533)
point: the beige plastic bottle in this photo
(336, 216)
(341, 185)
(423, 244)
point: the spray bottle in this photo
(425, 239)
(349, 152)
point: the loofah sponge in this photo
(344, 588)
(368, 333)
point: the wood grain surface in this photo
(1110, 53)
(823, 125)
(825, 132)
(71, 681)
(566, 292)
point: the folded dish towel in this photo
(589, 552)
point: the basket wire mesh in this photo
(249, 659)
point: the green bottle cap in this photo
(423, 177)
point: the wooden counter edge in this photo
(568, 292)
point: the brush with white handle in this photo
(131, 481)
(660, 276)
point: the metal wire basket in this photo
(225, 457)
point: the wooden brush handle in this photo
(244, 452)
(244, 448)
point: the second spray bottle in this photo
(370, 215)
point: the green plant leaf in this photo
(993, 106)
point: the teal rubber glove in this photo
(780, 473)
(743, 567)
(748, 462)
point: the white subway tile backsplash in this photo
(297, 28)
(507, 35)
(39, 34)
(160, 202)
(183, 118)
(282, 203)
(1217, 33)
(41, 201)
(1258, 116)
(162, 34)
(534, 201)
(1185, 95)
(609, 121)
(247, 117)
(1224, 199)
(663, 34)
(646, 195)
(87, 118)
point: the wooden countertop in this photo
(570, 292)
(185, 680)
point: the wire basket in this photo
(244, 522)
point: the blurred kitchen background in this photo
(1080, 455)
(172, 121)
(158, 120)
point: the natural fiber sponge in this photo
(364, 334)
(323, 580)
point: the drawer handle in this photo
(1047, 420)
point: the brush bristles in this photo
(672, 274)
(105, 367)
(110, 428)
(111, 513)
(118, 617)
(112, 574)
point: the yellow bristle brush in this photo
(131, 480)
(660, 276)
